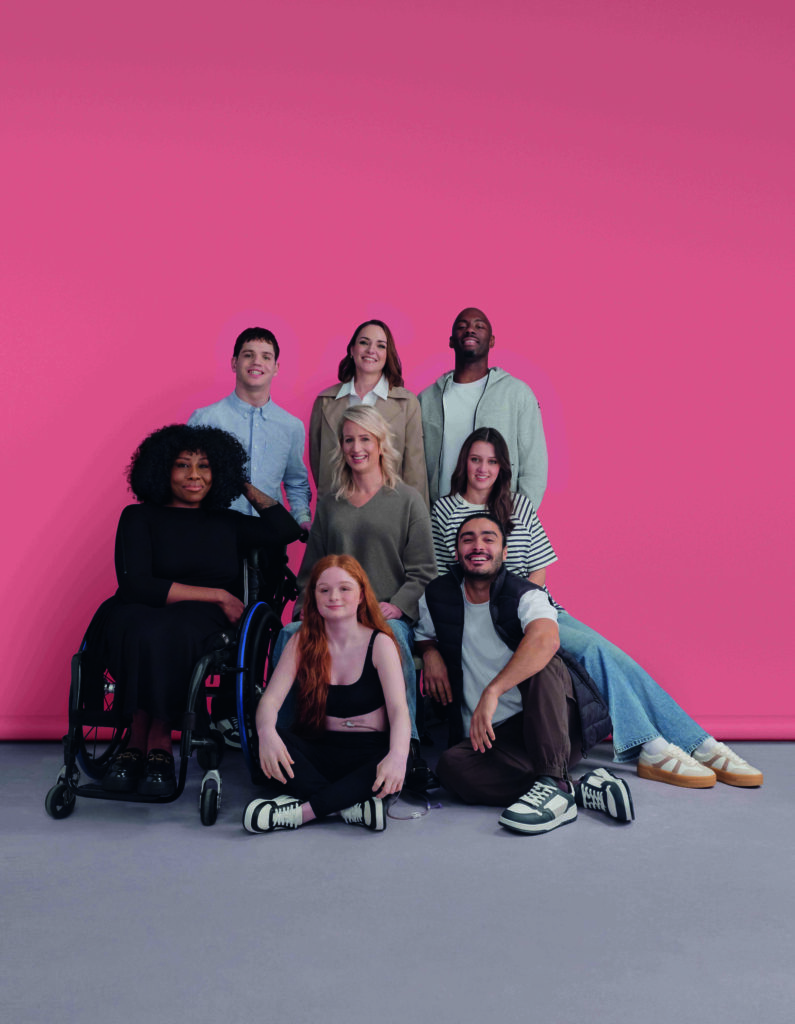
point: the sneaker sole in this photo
(527, 829)
(648, 771)
(376, 822)
(620, 809)
(251, 812)
(745, 781)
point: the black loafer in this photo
(159, 779)
(124, 772)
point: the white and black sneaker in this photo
(543, 808)
(270, 815)
(229, 728)
(600, 790)
(368, 814)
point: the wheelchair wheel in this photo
(208, 805)
(97, 728)
(258, 630)
(59, 802)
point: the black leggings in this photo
(335, 770)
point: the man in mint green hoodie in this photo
(473, 395)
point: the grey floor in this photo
(138, 912)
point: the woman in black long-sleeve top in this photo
(178, 562)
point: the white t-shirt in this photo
(483, 653)
(460, 402)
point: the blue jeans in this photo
(639, 708)
(404, 635)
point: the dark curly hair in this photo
(149, 472)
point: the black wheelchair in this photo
(99, 729)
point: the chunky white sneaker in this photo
(730, 767)
(541, 809)
(675, 767)
(368, 814)
(601, 790)
(269, 815)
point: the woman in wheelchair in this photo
(350, 741)
(178, 558)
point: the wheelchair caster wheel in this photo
(59, 802)
(208, 805)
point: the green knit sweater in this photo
(390, 536)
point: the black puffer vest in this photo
(446, 606)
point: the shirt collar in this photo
(246, 408)
(381, 390)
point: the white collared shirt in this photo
(274, 443)
(347, 390)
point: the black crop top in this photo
(346, 700)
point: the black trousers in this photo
(334, 770)
(543, 739)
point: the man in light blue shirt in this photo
(272, 437)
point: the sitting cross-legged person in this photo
(348, 747)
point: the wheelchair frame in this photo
(251, 678)
(92, 715)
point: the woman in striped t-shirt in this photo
(648, 724)
(481, 481)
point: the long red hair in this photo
(314, 660)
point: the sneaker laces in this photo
(284, 816)
(354, 814)
(674, 753)
(539, 794)
(721, 750)
(593, 799)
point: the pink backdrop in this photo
(610, 181)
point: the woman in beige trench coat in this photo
(370, 374)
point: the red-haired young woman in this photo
(348, 747)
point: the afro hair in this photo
(149, 472)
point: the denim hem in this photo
(632, 752)
(690, 749)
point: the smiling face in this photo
(337, 594)
(255, 367)
(480, 549)
(483, 467)
(369, 350)
(191, 480)
(360, 448)
(471, 338)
